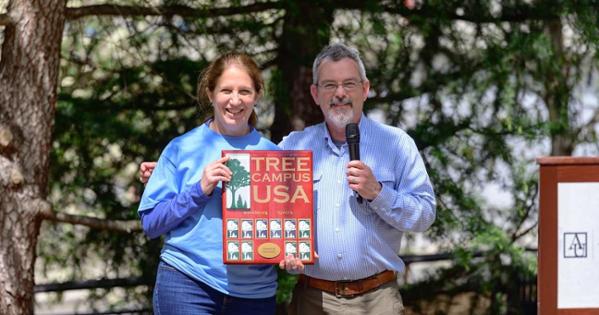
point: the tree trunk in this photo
(306, 30)
(557, 95)
(28, 80)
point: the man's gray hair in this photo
(336, 52)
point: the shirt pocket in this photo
(316, 188)
(386, 178)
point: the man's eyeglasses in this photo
(348, 86)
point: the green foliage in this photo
(286, 284)
(240, 178)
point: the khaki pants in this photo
(385, 300)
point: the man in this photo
(357, 242)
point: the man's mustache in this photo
(345, 101)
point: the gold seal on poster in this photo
(269, 250)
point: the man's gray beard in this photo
(341, 119)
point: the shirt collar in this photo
(362, 125)
(328, 140)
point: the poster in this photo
(268, 207)
(578, 242)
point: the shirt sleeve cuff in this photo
(384, 201)
(197, 195)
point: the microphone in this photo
(352, 136)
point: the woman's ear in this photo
(209, 94)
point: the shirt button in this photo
(337, 230)
(339, 256)
(338, 181)
(344, 278)
(337, 205)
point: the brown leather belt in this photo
(348, 288)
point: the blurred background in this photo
(484, 87)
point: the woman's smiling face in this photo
(233, 98)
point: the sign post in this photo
(568, 274)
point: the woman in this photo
(182, 200)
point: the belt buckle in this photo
(341, 289)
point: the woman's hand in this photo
(213, 173)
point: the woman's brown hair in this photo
(209, 77)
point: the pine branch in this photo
(587, 127)
(518, 13)
(125, 226)
(180, 10)
(93, 105)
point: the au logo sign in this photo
(575, 245)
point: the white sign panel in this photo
(578, 245)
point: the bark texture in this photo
(28, 81)
(557, 94)
(305, 32)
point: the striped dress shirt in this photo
(354, 240)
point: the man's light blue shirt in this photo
(355, 240)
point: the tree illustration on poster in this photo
(240, 178)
